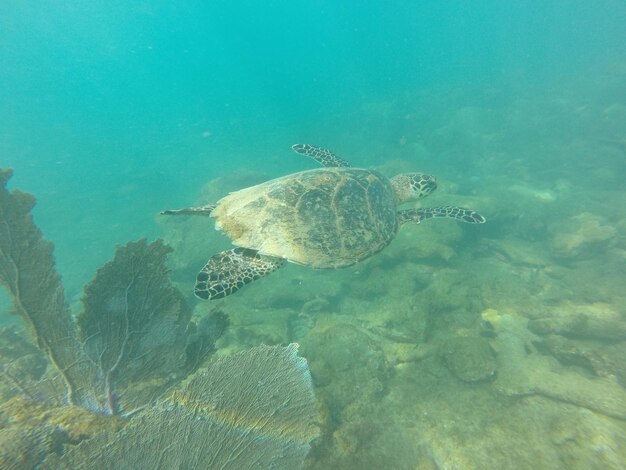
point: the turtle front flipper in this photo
(323, 156)
(230, 270)
(448, 212)
(203, 210)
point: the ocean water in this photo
(498, 345)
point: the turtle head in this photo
(412, 186)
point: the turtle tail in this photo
(203, 210)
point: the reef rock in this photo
(598, 360)
(522, 371)
(470, 358)
(597, 321)
(579, 234)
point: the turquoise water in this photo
(112, 112)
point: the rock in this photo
(29, 430)
(570, 352)
(597, 321)
(544, 196)
(604, 360)
(522, 373)
(470, 359)
(344, 352)
(587, 440)
(575, 237)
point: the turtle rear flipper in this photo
(322, 156)
(203, 210)
(230, 270)
(449, 212)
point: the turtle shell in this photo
(322, 218)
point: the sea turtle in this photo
(328, 217)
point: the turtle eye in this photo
(422, 184)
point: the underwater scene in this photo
(313, 234)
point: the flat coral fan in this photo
(27, 271)
(254, 409)
(134, 321)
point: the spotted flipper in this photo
(323, 156)
(449, 212)
(230, 270)
(203, 210)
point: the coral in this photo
(129, 343)
(27, 271)
(21, 365)
(201, 337)
(134, 321)
(491, 316)
(254, 409)
(132, 341)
